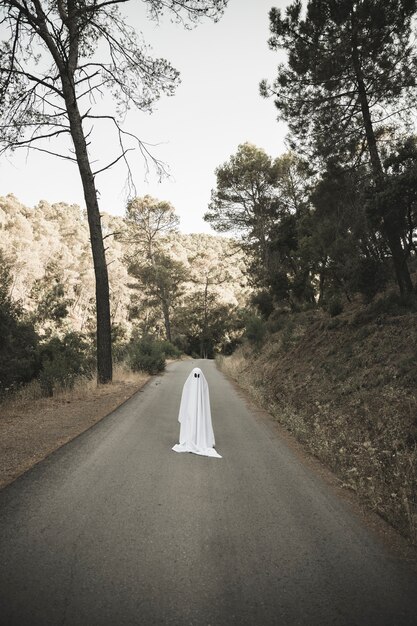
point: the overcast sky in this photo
(216, 107)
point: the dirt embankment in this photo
(347, 388)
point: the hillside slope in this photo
(347, 388)
(49, 244)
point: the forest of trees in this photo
(56, 61)
(330, 220)
(183, 291)
(336, 215)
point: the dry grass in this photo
(348, 393)
(31, 426)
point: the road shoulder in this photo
(393, 541)
(31, 430)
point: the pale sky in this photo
(216, 107)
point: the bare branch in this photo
(121, 156)
(30, 147)
(97, 7)
(25, 142)
(119, 232)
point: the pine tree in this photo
(350, 69)
(56, 61)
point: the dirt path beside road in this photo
(33, 428)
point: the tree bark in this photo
(167, 321)
(66, 63)
(104, 355)
(391, 227)
(203, 344)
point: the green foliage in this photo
(317, 91)
(263, 200)
(255, 330)
(207, 326)
(146, 355)
(369, 277)
(52, 303)
(280, 286)
(335, 307)
(18, 339)
(147, 220)
(263, 301)
(338, 241)
(169, 349)
(243, 199)
(349, 63)
(63, 360)
(398, 196)
(119, 343)
(162, 280)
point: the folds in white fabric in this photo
(196, 431)
(189, 447)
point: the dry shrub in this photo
(83, 387)
(122, 373)
(32, 425)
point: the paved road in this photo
(116, 529)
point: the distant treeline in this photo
(170, 293)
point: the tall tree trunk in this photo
(167, 320)
(391, 227)
(203, 342)
(104, 353)
(322, 279)
(162, 297)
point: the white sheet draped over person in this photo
(196, 431)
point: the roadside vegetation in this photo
(346, 387)
(32, 425)
(171, 294)
(330, 233)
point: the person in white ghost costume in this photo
(196, 431)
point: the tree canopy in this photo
(347, 87)
(56, 62)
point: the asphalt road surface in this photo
(117, 529)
